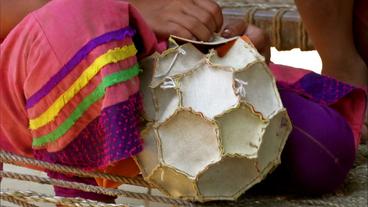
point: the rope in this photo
(19, 197)
(93, 189)
(15, 200)
(249, 17)
(231, 4)
(277, 27)
(10, 158)
(77, 202)
(302, 37)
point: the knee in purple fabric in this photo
(320, 150)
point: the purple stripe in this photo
(318, 88)
(76, 59)
(323, 89)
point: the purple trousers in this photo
(320, 149)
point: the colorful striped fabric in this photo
(53, 122)
(112, 56)
(119, 34)
(70, 92)
(110, 137)
(97, 94)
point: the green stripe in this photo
(97, 94)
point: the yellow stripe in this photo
(112, 56)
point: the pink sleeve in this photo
(38, 47)
(14, 133)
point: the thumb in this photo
(234, 28)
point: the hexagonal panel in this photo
(208, 90)
(227, 179)
(178, 61)
(273, 141)
(239, 56)
(189, 142)
(148, 158)
(173, 183)
(145, 79)
(241, 131)
(167, 101)
(261, 90)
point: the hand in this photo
(191, 19)
(259, 38)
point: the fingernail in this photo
(226, 33)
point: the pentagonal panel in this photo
(173, 183)
(178, 61)
(241, 131)
(167, 101)
(260, 90)
(228, 178)
(208, 90)
(239, 56)
(189, 142)
(273, 142)
(148, 158)
(148, 66)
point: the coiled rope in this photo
(10, 158)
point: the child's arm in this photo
(190, 19)
(13, 11)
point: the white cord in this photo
(179, 51)
(169, 82)
(240, 88)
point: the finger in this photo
(191, 24)
(178, 30)
(266, 53)
(201, 15)
(260, 40)
(214, 9)
(234, 28)
(258, 37)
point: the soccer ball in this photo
(216, 125)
